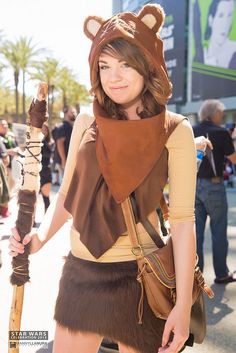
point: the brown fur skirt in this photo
(103, 298)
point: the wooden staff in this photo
(27, 200)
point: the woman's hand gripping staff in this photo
(27, 200)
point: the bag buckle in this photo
(137, 250)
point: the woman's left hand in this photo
(176, 331)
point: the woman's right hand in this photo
(16, 247)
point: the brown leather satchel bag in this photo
(157, 276)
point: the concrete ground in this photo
(45, 271)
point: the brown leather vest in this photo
(116, 158)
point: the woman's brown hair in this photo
(155, 93)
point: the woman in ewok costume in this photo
(133, 146)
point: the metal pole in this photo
(190, 54)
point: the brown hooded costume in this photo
(115, 171)
(103, 297)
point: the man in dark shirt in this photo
(210, 194)
(64, 134)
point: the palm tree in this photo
(78, 94)
(6, 99)
(27, 51)
(64, 80)
(19, 55)
(72, 91)
(2, 66)
(11, 54)
(48, 71)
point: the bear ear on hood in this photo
(152, 16)
(92, 24)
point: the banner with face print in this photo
(214, 49)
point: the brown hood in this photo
(142, 30)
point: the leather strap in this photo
(129, 208)
(147, 225)
(153, 233)
(130, 222)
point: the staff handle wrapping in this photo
(24, 222)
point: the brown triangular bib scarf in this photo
(116, 158)
(128, 149)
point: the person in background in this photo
(63, 134)
(4, 188)
(46, 172)
(211, 194)
(10, 143)
(230, 168)
(56, 161)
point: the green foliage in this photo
(46, 71)
(7, 102)
(22, 56)
(72, 92)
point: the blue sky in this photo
(56, 25)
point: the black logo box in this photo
(28, 335)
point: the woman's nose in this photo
(115, 75)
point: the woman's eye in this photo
(103, 67)
(125, 65)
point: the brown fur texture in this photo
(25, 218)
(155, 11)
(103, 298)
(90, 20)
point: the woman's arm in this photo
(182, 180)
(183, 237)
(184, 244)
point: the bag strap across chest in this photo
(129, 209)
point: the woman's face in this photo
(121, 83)
(221, 23)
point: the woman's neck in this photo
(132, 113)
(132, 108)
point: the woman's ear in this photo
(152, 16)
(92, 24)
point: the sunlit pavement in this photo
(45, 270)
